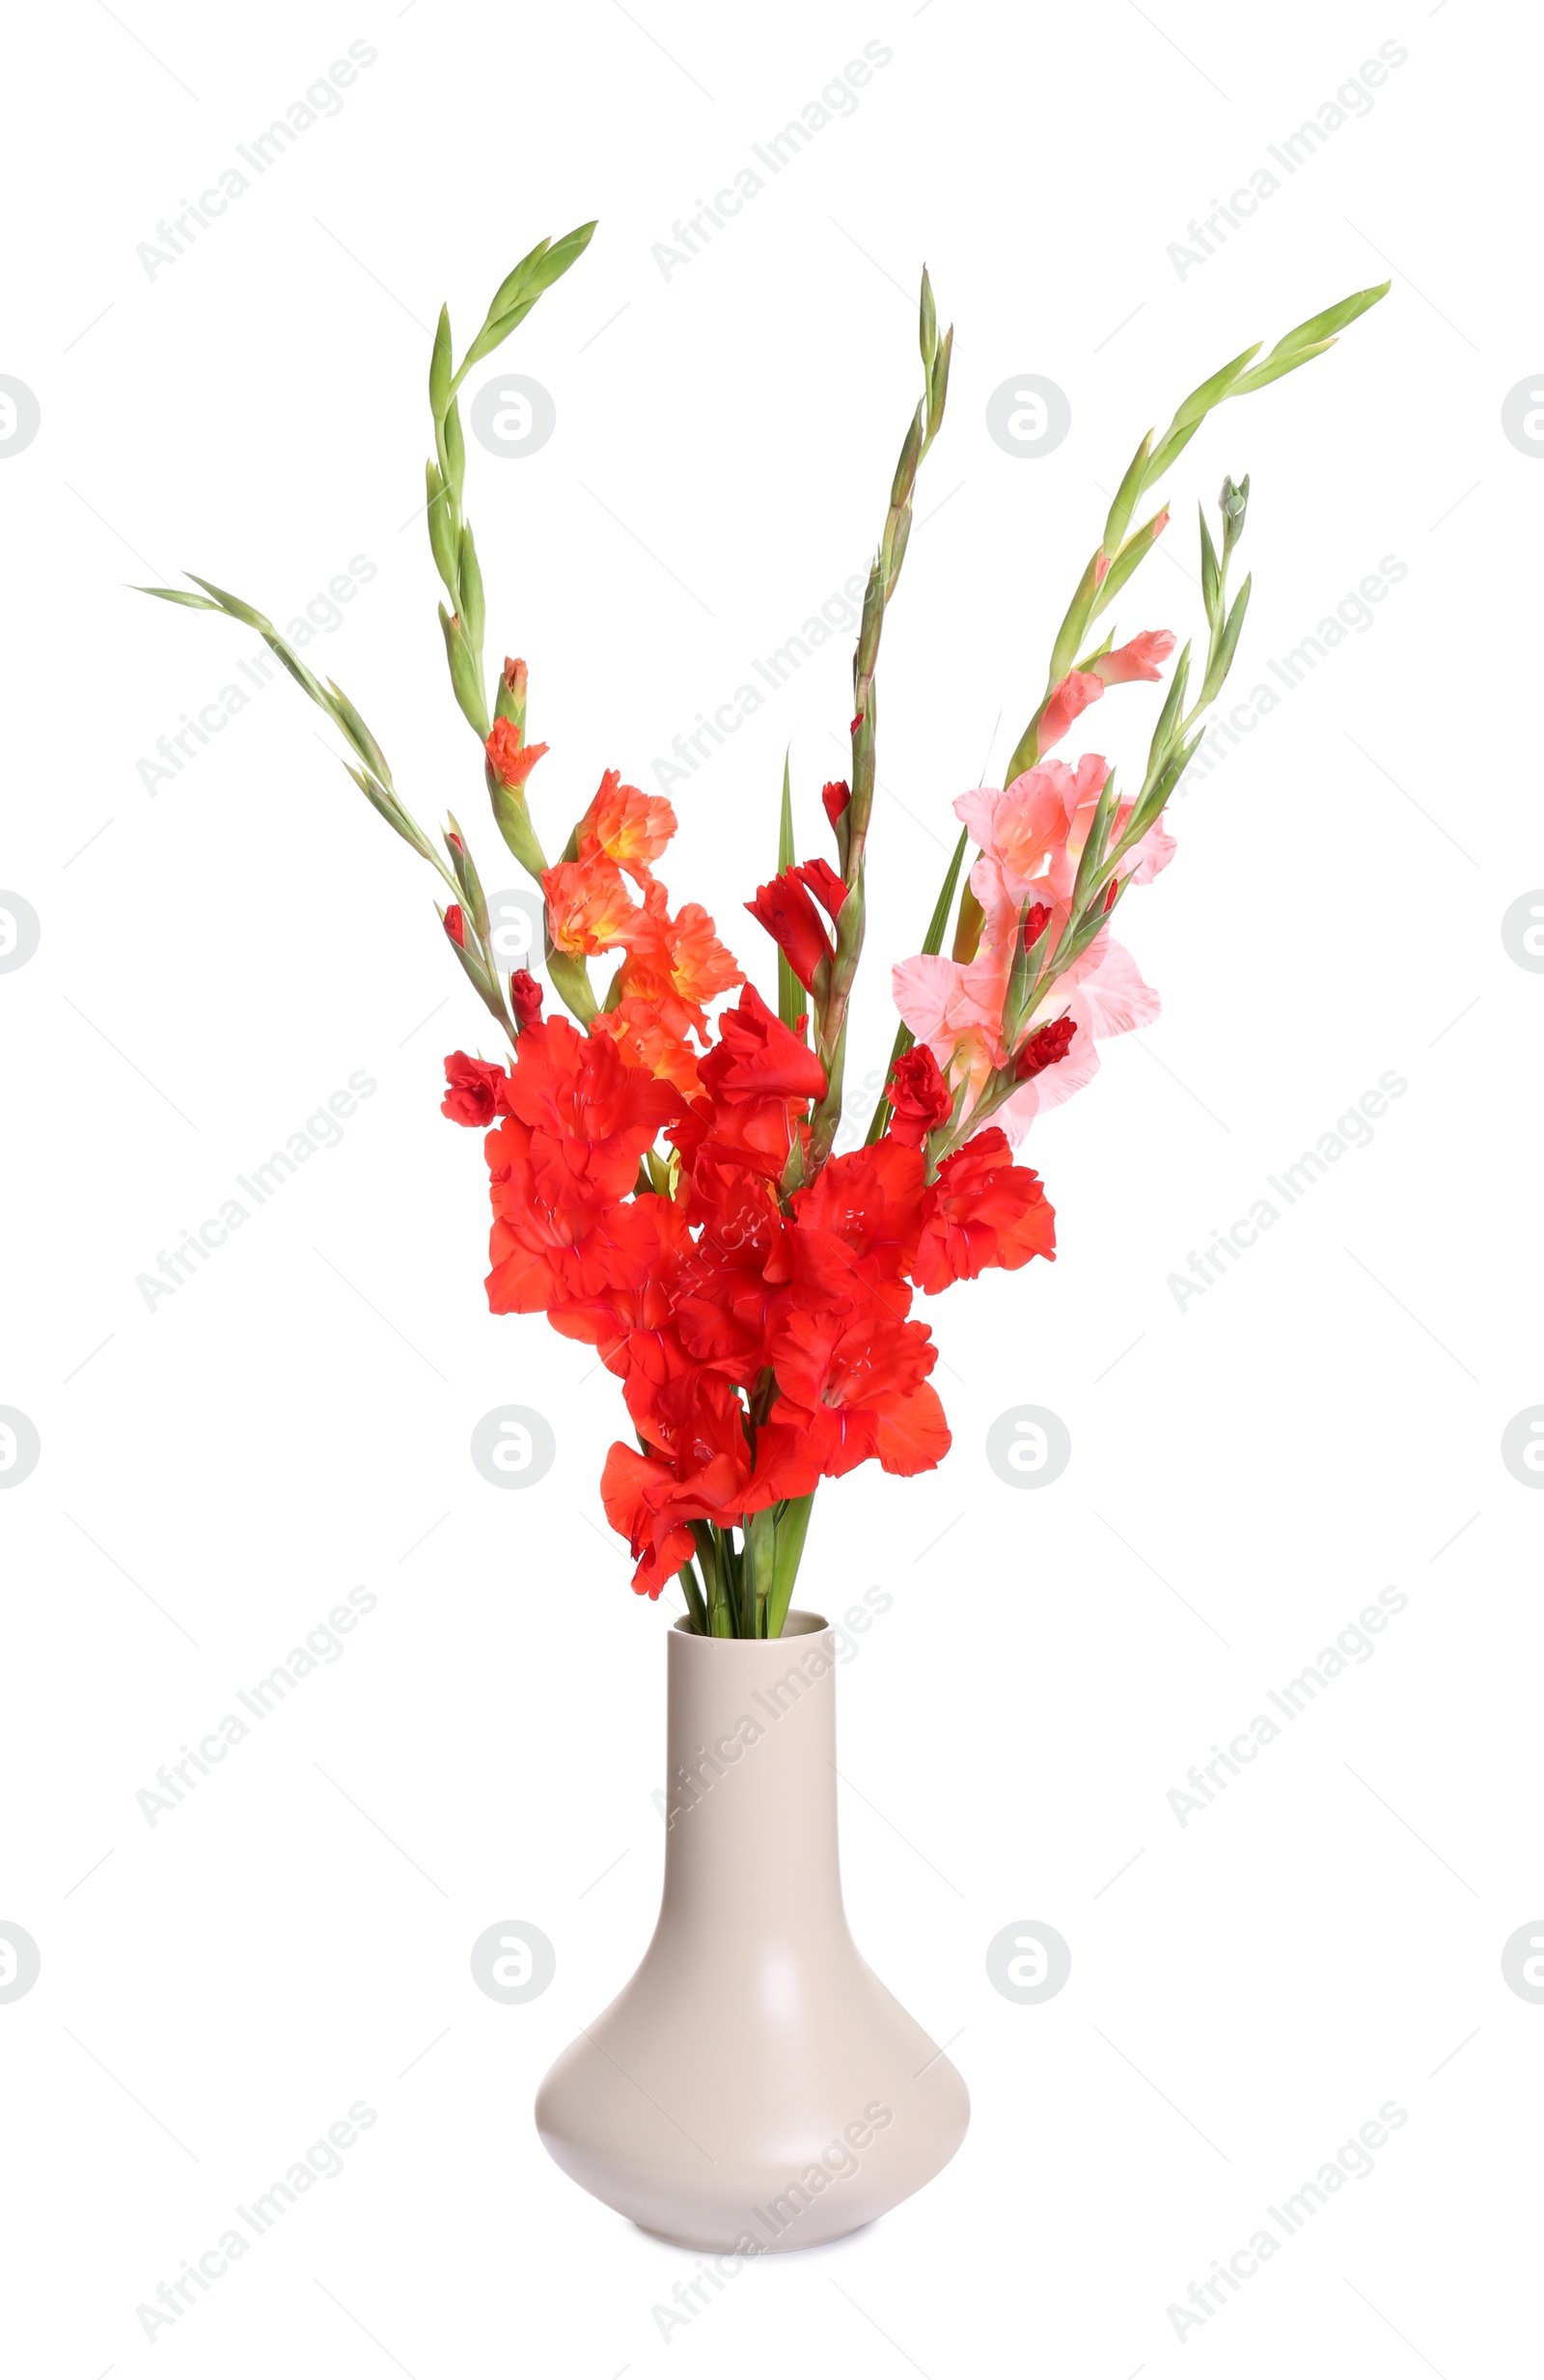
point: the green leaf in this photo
(439, 367)
(1224, 660)
(357, 732)
(441, 530)
(471, 605)
(1126, 498)
(792, 1527)
(1136, 549)
(1194, 409)
(466, 674)
(1172, 711)
(791, 1002)
(1211, 584)
(1276, 367)
(517, 294)
(1320, 328)
(938, 384)
(571, 980)
(175, 595)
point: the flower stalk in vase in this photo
(662, 1170)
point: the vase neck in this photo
(751, 1780)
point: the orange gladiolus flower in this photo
(589, 907)
(630, 828)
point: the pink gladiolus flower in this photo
(1071, 697)
(1139, 658)
(1031, 835)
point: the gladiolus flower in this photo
(628, 826)
(455, 925)
(919, 1096)
(982, 1209)
(1036, 917)
(644, 1040)
(509, 757)
(678, 961)
(592, 1115)
(826, 884)
(791, 919)
(476, 1093)
(1065, 703)
(834, 797)
(1045, 1048)
(525, 996)
(589, 906)
(754, 1081)
(1139, 658)
(857, 1384)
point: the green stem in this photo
(696, 1609)
(792, 1527)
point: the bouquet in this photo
(662, 1165)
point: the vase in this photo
(754, 2087)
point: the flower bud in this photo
(525, 997)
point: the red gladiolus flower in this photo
(826, 884)
(1036, 917)
(982, 1209)
(919, 1096)
(525, 997)
(510, 759)
(455, 925)
(791, 919)
(590, 1115)
(694, 1466)
(476, 1093)
(856, 1385)
(834, 797)
(754, 1081)
(758, 1058)
(1045, 1048)
(861, 1217)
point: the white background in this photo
(1248, 1471)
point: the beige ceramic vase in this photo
(755, 2087)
